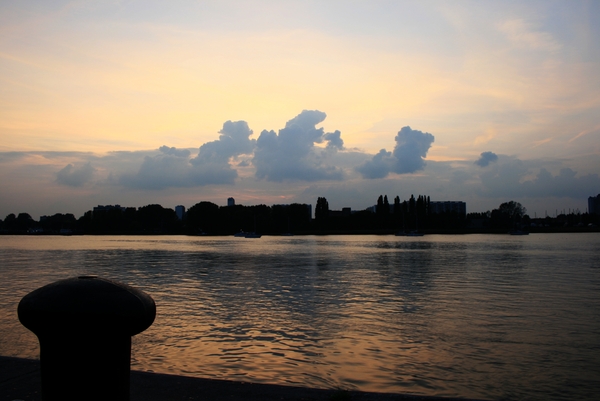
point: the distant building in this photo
(180, 211)
(594, 204)
(448, 206)
(373, 209)
(230, 202)
(345, 212)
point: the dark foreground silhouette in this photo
(20, 380)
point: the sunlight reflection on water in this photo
(469, 316)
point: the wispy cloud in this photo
(583, 133)
(542, 142)
(523, 34)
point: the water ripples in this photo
(463, 316)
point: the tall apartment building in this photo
(448, 206)
(180, 211)
(594, 204)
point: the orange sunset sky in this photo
(140, 102)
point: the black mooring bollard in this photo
(84, 325)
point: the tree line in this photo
(202, 218)
(415, 213)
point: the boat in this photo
(413, 233)
(518, 232)
(244, 234)
(253, 235)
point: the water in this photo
(479, 316)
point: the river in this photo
(474, 316)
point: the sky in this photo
(275, 102)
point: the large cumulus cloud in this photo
(211, 165)
(408, 155)
(292, 155)
(174, 168)
(233, 141)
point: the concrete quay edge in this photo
(20, 380)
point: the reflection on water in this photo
(469, 316)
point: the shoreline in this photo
(455, 231)
(20, 380)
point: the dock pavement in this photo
(20, 380)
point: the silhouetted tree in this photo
(57, 222)
(379, 207)
(382, 211)
(10, 222)
(411, 204)
(321, 210)
(203, 216)
(299, 215)
(513, 209)
(397, 209)
(18, 224)
(397, 212)
(289, 218)
(507, 215)
(155, 218)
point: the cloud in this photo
(334, 140)
(486, 158)
(378, 167)
(211, 165)
(411, 148)
(511, 179)
(233, 141)
(75, 176)
(407, 157)
(564, 184)
(291, 154)
(524, 35)
(595, 129)
(173, 168)
(504, 179)
(168, 169)
(174, 151)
